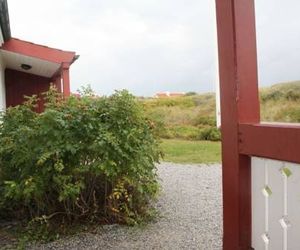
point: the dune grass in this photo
(183, 151)
(184, 117)
(281, 102)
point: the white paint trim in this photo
(217, 79)
(218, 98)
(1, 36)
(39, 67)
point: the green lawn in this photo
(182, 151)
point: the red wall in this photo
(18, 84)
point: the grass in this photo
(183, 151)
(184, 116)
(281, 102)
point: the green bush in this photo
(294, 115)
(290, 114)
(82, 159)
(292, 95)
(187, 132)
(205, 100)
(157, 121)
(183, 132)
(205, 121)
(274, 95)
(190, 93)
(210, 134)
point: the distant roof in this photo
(4, 20)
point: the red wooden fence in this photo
(243, 135)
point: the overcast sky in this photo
(147, 46)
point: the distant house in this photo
(27, 68)
(169, 94)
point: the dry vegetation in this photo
(192, 117)
(187, 117)
(184, 122)
(281, 102)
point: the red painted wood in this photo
(274, 141)
(239, 103)
(18, 84)
(38, 51)
(66, 80)
(57, 83)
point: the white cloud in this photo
(148, 46)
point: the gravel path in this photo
(191, 210)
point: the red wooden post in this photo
(239, 103)
(66, 79)
(57, 83)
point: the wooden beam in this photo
(66, 80)
(239, 103)
(39, 51)
(57, 83)
(274, 141)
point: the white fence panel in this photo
(258, 204)
(293, 190)
(275, 205)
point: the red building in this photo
(27, 68)
(169, 94)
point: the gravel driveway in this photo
(191, 210)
